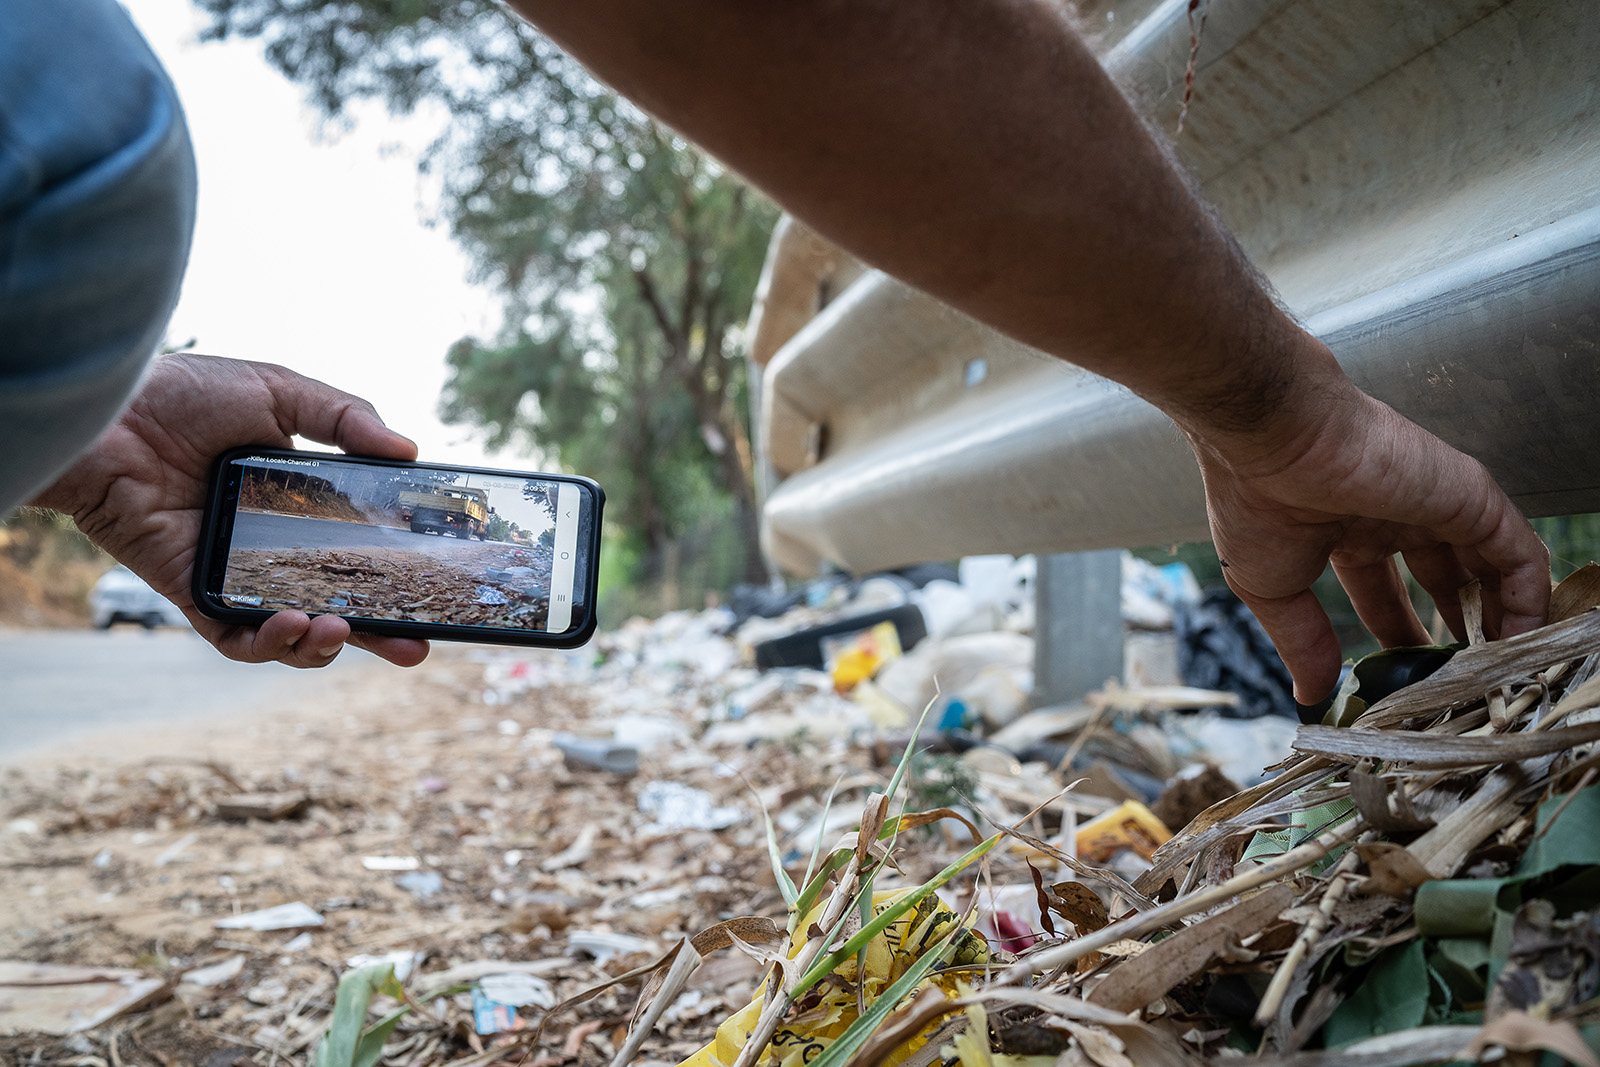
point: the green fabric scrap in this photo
(1463, 907)
(1393, 996)
(1303, 826)
(1570, 840)
(1463, 962)
(1467, 907)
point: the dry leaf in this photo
(1101, 1046)
(1577, 593)
(1149, 975)
(1392, 870)
(1475, 671)
(1389, 810)
(1439, 751)
(1079, 905)
(1517, 1031)
(751, 929)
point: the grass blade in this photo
(825, 965)
(822, 830)
(856, 1034)
(346, 1043)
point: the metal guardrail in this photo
(1420, 180)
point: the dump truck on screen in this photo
(446, 510)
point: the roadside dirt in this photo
(118, 857)
(46, 571)
(478, 585)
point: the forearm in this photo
(978, 151)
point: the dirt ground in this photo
(478, 585)
(115, 855)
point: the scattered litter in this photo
(853, 658)
(174, 851)
(490, 1016)
(579, 852)
(294, 916)
(488, 594)
(1129, 826)
(597, 754)
(216, 974)
(268, 991)
(266, 806)
(604, 945)
(52, 998)
(423, 885)
(404, 961)
(1423, 882)
(675, 806)
(520, 990)
(298, 943)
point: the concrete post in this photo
(1078, 629)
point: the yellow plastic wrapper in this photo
(802, 1038)
(1128, 825)
(853, 659)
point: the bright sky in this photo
(314, 253)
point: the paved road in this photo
(254, 529)
(59, 684)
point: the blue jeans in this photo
(97, 194)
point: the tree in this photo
(626, 256)
(497, 528)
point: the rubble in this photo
(450, 582)
(783, 866)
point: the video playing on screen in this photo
(420, 544)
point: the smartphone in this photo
(404, 549)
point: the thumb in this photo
(318, 411)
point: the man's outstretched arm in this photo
(978, 151)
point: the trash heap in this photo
(796, 830)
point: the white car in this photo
(122, 596)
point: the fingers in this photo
(290, 637)
(401, 651)
(322, 413)
(1522, 564)
(1304, 638)
(296, 639)
(1493, 541)
(1379, 596)
(1441, 574)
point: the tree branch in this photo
(651, 296)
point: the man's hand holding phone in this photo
(140, 490)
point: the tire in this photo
(417, 527)
(151, 621)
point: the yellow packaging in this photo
(888, 956)
(1128, 825)
(857, 657)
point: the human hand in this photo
(1338, 477)
(139, 491)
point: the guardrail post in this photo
(1078, 625)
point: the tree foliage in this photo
(627, 257)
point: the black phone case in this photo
(212, 552)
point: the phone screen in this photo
(405, 543)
